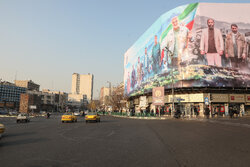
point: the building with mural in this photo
(200, 57)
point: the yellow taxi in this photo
(92, 116)
(68, 117)
(2, 128)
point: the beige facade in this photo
(53, 98)
(76, 97)
(219, 102)
(60, 98)
(29, 84)
(82, 85)
(104, 93)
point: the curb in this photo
(149, 118)
(7, 116)
(167, 118)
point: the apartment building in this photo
(28, 84)
(82, 87)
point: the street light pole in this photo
(109, 92)
(172, 77)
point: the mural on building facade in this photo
(193, 45)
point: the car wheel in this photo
(62, 121)
(76, 120)
(17, 121)
(86, 121)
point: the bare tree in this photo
(116, 98)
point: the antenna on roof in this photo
(15, 76)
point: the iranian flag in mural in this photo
(175, 49)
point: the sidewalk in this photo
(139, 117)
(199, 118)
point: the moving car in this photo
(2, 128)
(68, 117)
(77, 113)
(92, 116)
(43, 113)
(23, 117)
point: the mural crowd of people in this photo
(173, 50)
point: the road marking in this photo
(111, 133)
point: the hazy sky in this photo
(48, 40)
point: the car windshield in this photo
(22, 115)
(91, 113)
(67, 114)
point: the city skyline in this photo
(48, 41)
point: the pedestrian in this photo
(207, 112)
(177, 114)
(141, 111)
(196, 111)
(157, 111)
(231, 112)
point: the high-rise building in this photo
(104, 93)
(82, 84)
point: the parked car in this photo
(3, 112)
(2, 129)
(68, 117)
(92, 116)
(13, 112)
(22, 117)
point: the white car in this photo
(77, 113)
(23, 117)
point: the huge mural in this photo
(192, 45)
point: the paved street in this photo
(125, 142)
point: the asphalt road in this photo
(125, 142)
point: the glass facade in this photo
(9, 93)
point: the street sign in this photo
(206, 100)
(32, 107)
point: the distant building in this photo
(51, 100)
(10, 95)
(30, 102)
(82, 85)
(104, 93)
(29, 84)
(60, 98)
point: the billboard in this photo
(158, 96)
(192, 46)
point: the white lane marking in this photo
(111, 133)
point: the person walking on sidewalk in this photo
(231, 112)
(207, 112)
(196, 111)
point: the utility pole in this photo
(172, 77)
(109, 92)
